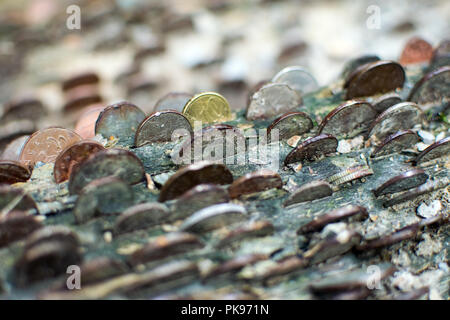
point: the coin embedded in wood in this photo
(396, 142)
(14, 148)
(402, 116)
(438, 149)
(73, 155)
(159, 127)
(192, 175)
(54, 233)
(312, 148)
(16, 199)
(208, 107)
(254, 89)
(12, 172)
(357, 62)
(310, 191)
(416, 50)
(172, 101)
(255, 182)
(46, 144)
(432, 88)
(85, 125)
(84, 78)
(291, 124)
(119, 121)
(348, 120)
(111, 162)
(375, 77)
(402, 234)
(24, 108)
(385, 101)
(298, 78)
(250, 230)
(234, 265)
(407, 180)
(17, 225)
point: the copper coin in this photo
(192, 175)
(376, 77)
(357, 62)
(312, 148)
(16, 199)
(255, 182)
(402, 116)
(396, 142)
(172, 101)
(85, 125)
(291, 124)
(416, 50)
(432, 88)
(313, 190)
(120, 121)
(14, 148)
(17, 225)
(407, 180)
(436, 150)
(159, 127)
(46, 144)
(80, 79)
(81, 97)
(13, 172)
(54, 233)
(348, 120)
(72, 156)
(385, 101)
(24, 108)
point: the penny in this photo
(432, 87)
(297, 78)
(395, 143)
(196, 198)
(172, 101)
(111, 162)
(401, 116)
(357, 62)
(271, 100)
(119, 121)
(46, 144)
(85, 125)
(71, 156)
(213, 217)
(313, 190)
(234, 265)
(141, 216)
(385, 101)
(12, 199)
(416, 50)
(14, 148)
(250, 230)
(192, 175)
(375, 77)
(291, 124)
(16, 225)
(24, 108)
(207, 107)
(438, 149)
(407, 180)
(402, 234)
(348, 120)
(160, 126)
(80, 79)
(344, 213)
(312, 149)
(255, 182)
(107, 195)
(12, 172)
(166, 246)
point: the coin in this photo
(54, 233)
(16, 225)
(255, 182)
(173, 101)
(207, 107)
(119, 121)
(441, 55)
(250, 230)
(254, 89)
(100, 269)
(385, 101)
(396, 142)
(234, 265)
(416, 50)
(313, 190)
(81, 97)
(85, 125)
(16, 199)
(79, 80)
(46, 144)
(357, 62)
(312, 149)
(407, 180)
(348, 120)
(350, 174)
(291, 124)
(432, 87)
(160, 126)
(272, 100)
(14, 148)
(436, 150)
(375, 77)
(402, 234)
(298, 78)
(24, 108)
(12, 172)
(72, 156)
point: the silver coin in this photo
(298, 78)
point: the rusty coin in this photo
(312, 148)
(255, 182)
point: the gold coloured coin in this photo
(207, 107)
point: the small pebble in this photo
(421, 146)
(428, 211)
(427, 137)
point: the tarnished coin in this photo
(312, 148)
(357, 62)
(348, 120)
(105, 195)
(80, 79)
(12, 199)
(24, 108)
(396, 142)
(402, 234)
(250, 230)
(141, 216)
(438, 149)
(80, 98)
(385, 101)
(432, 88)
(344, 213)
(73, 155)
(192, 175)
(172, 101)
(375, 77)
(298, 78)
(13, 171)
(234, 265)
(119, 121)
(198, 197)
(111, 162)
(291, 124)
(416, 50)
(402, 116)
(100, 269)
(407, 180)
(255, 182)
(207, 107)
(441, 55)
(14, 129)
(85, 125)
(166, 246)
(17, 225)
(46, 144)
(313, 190)
(55, 233)
(14, 148)
(214, 217)
(271, 100)
(159, 127)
